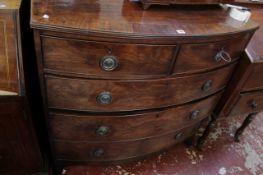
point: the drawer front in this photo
(113, 151)
(255, 80)
(128, 127)
(110, 95)
(200, 57)
(248, 102)
(106, 60)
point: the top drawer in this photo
(106, 60)
(200, 57)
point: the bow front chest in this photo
(119, 83)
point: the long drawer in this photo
(113, 151)
(128, 127)
(248, 102)
(122, 95)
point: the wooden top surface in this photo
(125, 18)
(10, 4)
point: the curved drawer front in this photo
(110, 95)
(200, 57)
(248, 102)
(114, 151)
(106, 60)
(128, 127)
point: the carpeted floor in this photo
(221, 156)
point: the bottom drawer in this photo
(117, 151)
(248, 102)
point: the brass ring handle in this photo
(223, 55)
(102, 131)
(109, 63)
(104, 98)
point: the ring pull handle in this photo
(104, 98)
(223, 55)
(98, 152)
(102, 131)
(109, 63)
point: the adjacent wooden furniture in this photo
(245, 93)
(148, 3)
(19, 152)
(120, 83)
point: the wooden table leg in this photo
(244, 125)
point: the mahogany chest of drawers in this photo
(120, 83)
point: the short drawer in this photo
(115, 151)
(106, 60)
(128, 127)
(255, 80)
(122, 95)
(248, 102)
(201, 57)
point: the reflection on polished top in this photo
(8, 4)
(122, 18)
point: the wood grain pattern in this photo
(84, 151)
(201, 57)
(132, 95)
(122, 18)
(128, 127)
(83, 57)
(145, 87)
(8, 53)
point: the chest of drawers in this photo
(117, 86)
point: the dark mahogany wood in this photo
(166, 66)
(80, 57)
(135, 94)
(148, 3)
(248, 102)
(202, 57)
(128, 127)
(244, 94)
(88, 151)
(124, 19)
